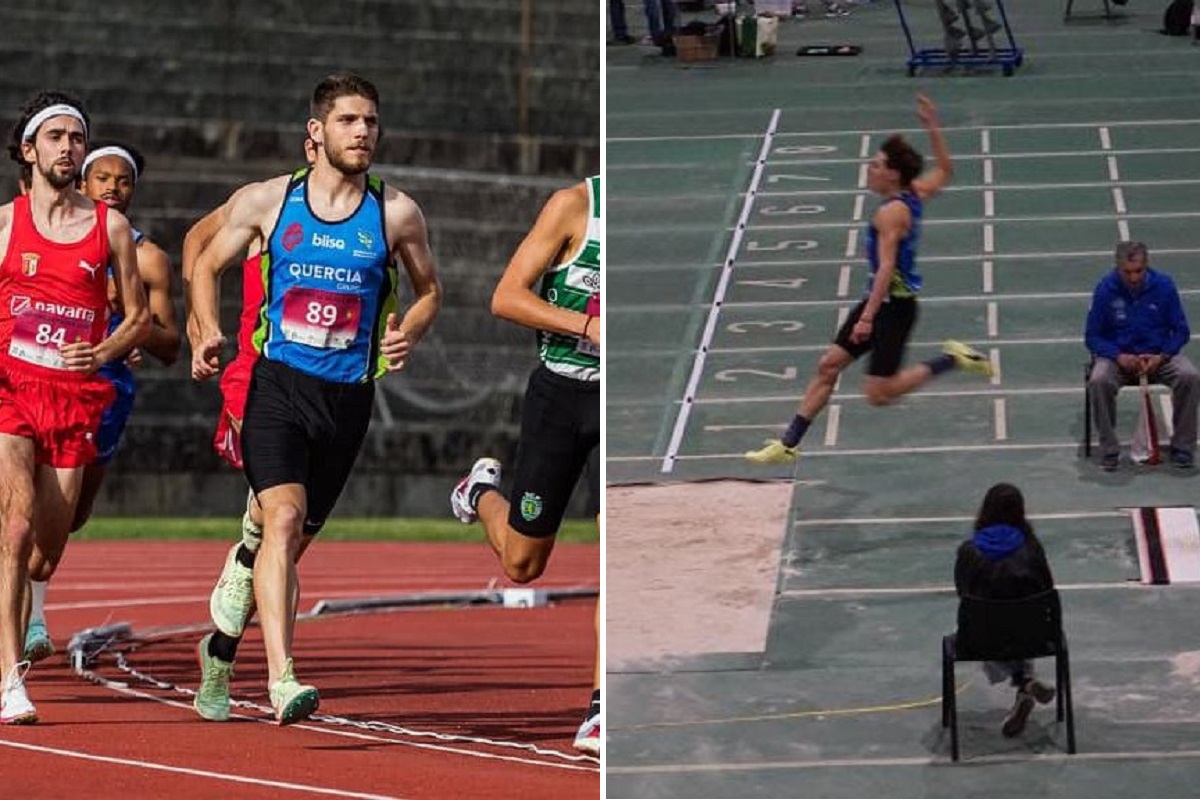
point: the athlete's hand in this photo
(927, 111)
(395, 344)
(861, 331)
(206, 358)
(594, 331)
(79, 357)
(134, 359)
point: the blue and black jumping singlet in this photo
(905, 280)
(329, 288)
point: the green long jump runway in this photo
(736, 210)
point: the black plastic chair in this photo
(1007, 630)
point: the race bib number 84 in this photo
(37, 335)
(321, 319)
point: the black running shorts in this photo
(560, 434)
(305, 430)
(892, 326)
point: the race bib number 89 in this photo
(37, 336)
(321, 319)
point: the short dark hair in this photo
(902, 157)
(32, 106)
(340, 84)
(138, 159)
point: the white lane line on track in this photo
(197, 773)
(833, 421)
(1001, 415)
(264, 719)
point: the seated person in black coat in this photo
(1003, 560)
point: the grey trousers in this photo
(1015, 671)
(1107, 379)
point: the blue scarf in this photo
(998, 541)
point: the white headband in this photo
(112, 150)
(62, 109)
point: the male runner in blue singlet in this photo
(883, 320)
(328, 330)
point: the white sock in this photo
(38, 610)
(251, 533)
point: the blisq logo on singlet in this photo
(327, 242)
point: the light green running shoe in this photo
(38, 646)
(967, 358)
(233, 596)
(212, 698)
(292, 700)
(773, 452)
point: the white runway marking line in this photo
(864, 148)
(1036, 255)
(1123, 229)
(993, 319)
(668, 462)
(986, 159)
(989, 203)
(973, 188)
(859, 204)
(1001, 415)
(873, 453)
(862, 175)
(985, 141)
(1118, 123)
(955, 519)
(901, 591)
(1114, 174)
(988, 277)
(994, 357)
(950, 222)
(833, 419)
(1021, 758)
(818, 348)
(987, 172)
(989, 239)
(197, 773)
(851, 242)
(843, 287)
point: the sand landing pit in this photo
(691, 568)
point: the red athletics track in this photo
(486, 679)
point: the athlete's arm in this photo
(248, 213)
(891, 225)
(932, 180)
(557, 233)
(131, 299)
(155, 270)
(6, 215)
(410, 238)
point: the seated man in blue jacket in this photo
(1136, 326)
